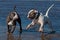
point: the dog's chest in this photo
(10, 23)
(41, 18)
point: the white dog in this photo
(39, 18)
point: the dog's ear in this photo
(35, 11)
(32, 13)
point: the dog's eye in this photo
(14, 14)
(30, 14)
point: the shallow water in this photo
(22, 8)
(30, 36)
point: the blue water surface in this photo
(22, 7)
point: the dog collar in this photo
(37, 15)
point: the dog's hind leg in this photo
(13, 28)
(19, 21)
(8, 28)
(51, 27)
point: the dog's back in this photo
(10, 16)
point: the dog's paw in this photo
(40, 30)
(26, 28)
(52, 32)
(9, 33)
(20, 31)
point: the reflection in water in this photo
(19, 37)
(43, 37)
(50, 36)
(10, 36)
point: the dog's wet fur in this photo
(12, 18)
(41, 20)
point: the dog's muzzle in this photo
(30, 17)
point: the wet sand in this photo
(30, 36)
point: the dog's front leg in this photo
(8, 28)
(19, 21)
(30, 25)
(41, 27)
(13, 28)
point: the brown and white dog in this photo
(39, 18)
(12, 18)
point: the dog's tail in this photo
(14, 9)
(49, 9)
